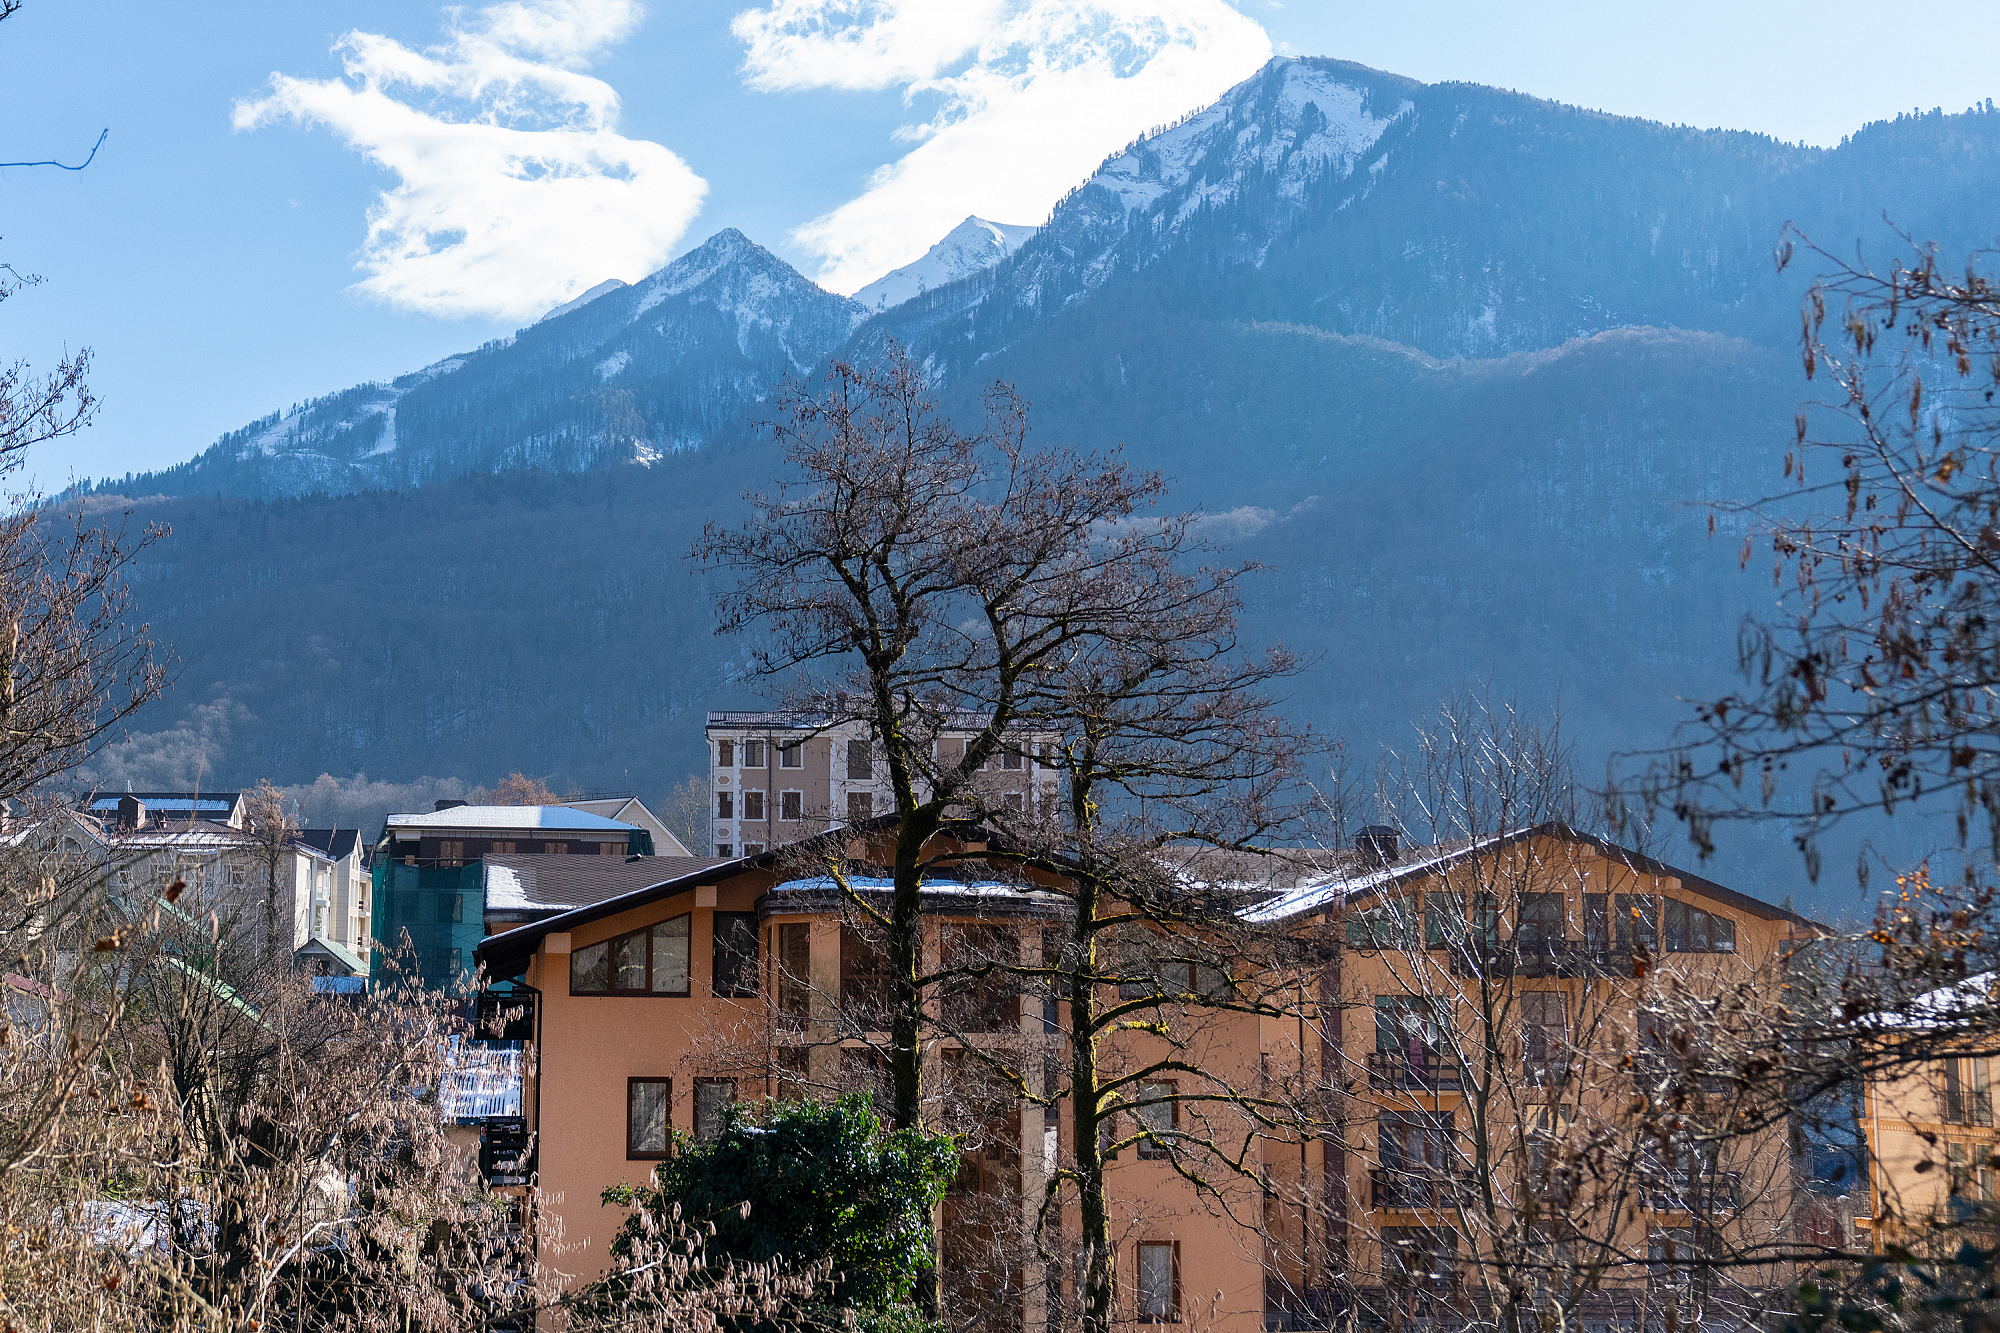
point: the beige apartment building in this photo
(1476, 1017)
(776, 777)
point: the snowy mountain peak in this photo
(971, 246)
(1294, 122)
(605, 288)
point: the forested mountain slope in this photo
(646, 370)
(1457, 364)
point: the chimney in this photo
(448, 805)
(131, 813)
(1378, 844)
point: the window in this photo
(860, 806)
(648, 1116)
(864, 981)
(1596, 923)
(1157, 1282)
(1418, 1257)
(1050, 755)
(653, 961)
(753, 754)
(753, 805)
(792, 756)
(1159, 1118)
(723, 849)
(1011, 760)
(555, 848)
(1636, 921)
(988, 1003)
(794, 959)
(734, 974)
(1541, 919)
(235, 876)
(1444, 920)
(725, 805)
(753, 849)
(451, 849)
(1387, 925)
(1688, 929)
(1967, 1098)
(1013, 802)
(451, 907)
(725, 754)
(712, 1098)
(860, 759)
(1544, 1037)
(503, 848)
(1677, 926)
(791, 805)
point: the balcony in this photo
(1968, 1106)
(1720, 1192)
(1435, 1070)
(1391, 1187)
(1537, 958)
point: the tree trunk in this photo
(1097, 1262)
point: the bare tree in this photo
(921, 561)
(271, 822)
(1873, 683)
(686, 814)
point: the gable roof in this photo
(1352, 883)
(335, 843)
(335, 950)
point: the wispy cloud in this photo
(514, 190)
(1030, 96)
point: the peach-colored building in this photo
(657, 1006)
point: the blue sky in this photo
(218, 255)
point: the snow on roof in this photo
(1947, 1006)
(165, 803)
(512, 817)
(1329, 890)
(479, 1081)
(864, 884)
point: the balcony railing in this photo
(1536, 958)
(1392, 1187)
(1720, 1192)
(1968, 1106)
(1414, 1069)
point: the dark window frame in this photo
(746, 965)
(699, 1084)
(633, 1154)
(1173, 1314)
(610, 947)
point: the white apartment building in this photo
(776, 777)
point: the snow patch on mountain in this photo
(748, 284)
(605, 288)
(971, 247)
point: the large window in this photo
(734, 974)
(649, 1104)
(725, 805)
(792, 756)
(653, 961)
(984, 996)
(1691, 930)
(1541, 919)
(1159, 1115)
(794, 959)
(753, 805)
(860, 806)
(753, 754)
(725, 754)
(712, 1097)
(860, 759)
(791, 805)
(1158, 1262)
(1544, 1036)
(864, 981)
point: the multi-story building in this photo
(1477, 1001)
(429, 883)
(151, 839)
(776, 777)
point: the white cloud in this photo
(514, 191)
(1032, 95)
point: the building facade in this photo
(776, 777)
(1474, 1004)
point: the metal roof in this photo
(521, 882)
(512, 817)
